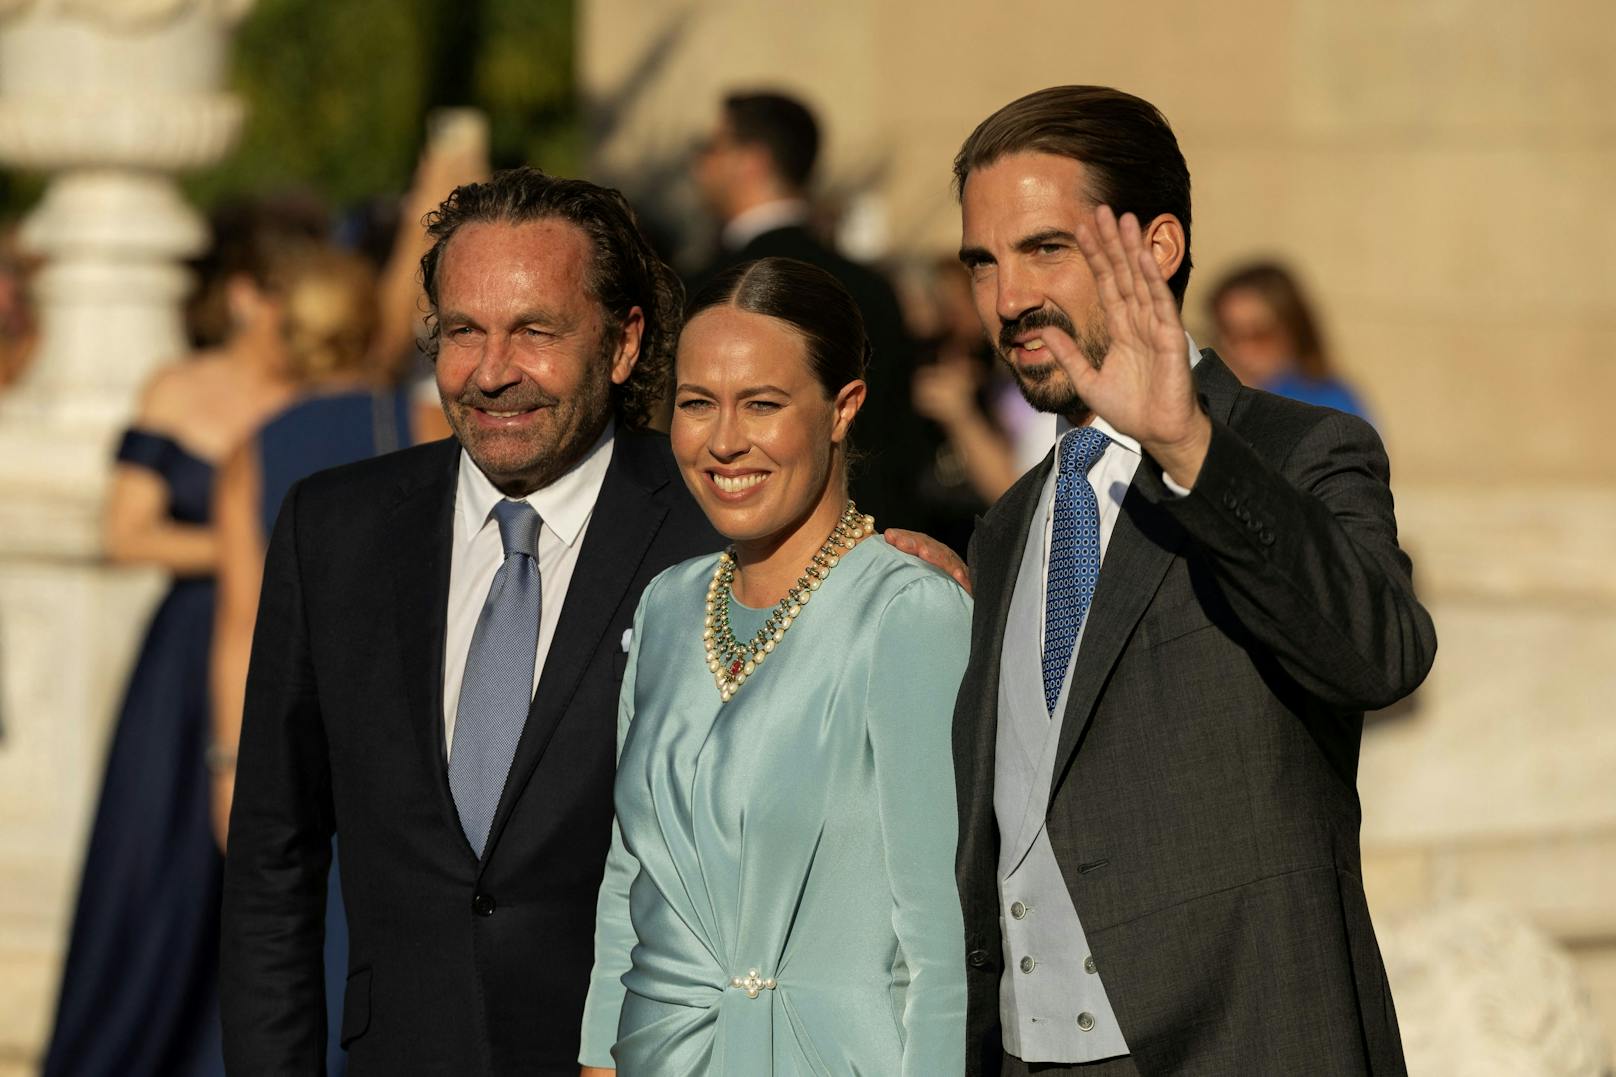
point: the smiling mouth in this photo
(736, 484)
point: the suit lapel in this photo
(1142, 546)
(999, 543)
(421, 537)
(632, 504)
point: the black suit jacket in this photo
(456, 966)
(888, 435)
(1204, 810)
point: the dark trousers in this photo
(1110, 1067)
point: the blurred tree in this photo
(337, 93)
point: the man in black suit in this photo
(753, 172)
(1181, 618)
(470, 895)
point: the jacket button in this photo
(1229, 501)
(977, 959)
(1266, 538)
(483, 905)
(1089, 965)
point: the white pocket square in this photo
(628, 634)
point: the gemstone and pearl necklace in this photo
(732, 661)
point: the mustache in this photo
(1042, 318)
(516, 398)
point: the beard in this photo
(1045, 385)
(518, 463)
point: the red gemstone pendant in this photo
(735, 668)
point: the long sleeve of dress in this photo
(921, 645)
(614, 931)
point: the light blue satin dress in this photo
(805, 830)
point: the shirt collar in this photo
(564, 505)
(748, 224)
(1131, 444)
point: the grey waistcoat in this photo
(1052, 1004)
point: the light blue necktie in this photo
(498, 686)
(1074, 555)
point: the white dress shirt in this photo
(748, 224)
(564, 506)
(1110, 477)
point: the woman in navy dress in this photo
(138, 994)
(339, 418)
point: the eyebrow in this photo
(756, 390)
(531, 316)
(1038, 239)
(980, 256)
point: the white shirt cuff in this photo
(1174, 488)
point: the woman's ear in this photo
(847, 405)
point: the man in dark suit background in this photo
(753, 172)
(1180, 620)
(468, 778)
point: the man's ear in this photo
(628, 346)
(1164, 238)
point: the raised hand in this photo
(1143, 387)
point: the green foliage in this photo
(524, 79)
(338, 91)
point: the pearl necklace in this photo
(732, 662)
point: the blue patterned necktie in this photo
(498, 685)
(1074, 555)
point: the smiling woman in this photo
(780, 894)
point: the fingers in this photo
(1106, 272)
(899, 539)
(1070, 358)
(1161, 297)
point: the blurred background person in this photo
(753, 171)
(456, 153)
(346, 411)
(1268, 334)
(957, 386)
(138, 993)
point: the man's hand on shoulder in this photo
(931, 551)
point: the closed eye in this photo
(693, 404)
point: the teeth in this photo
(1032, 345)
(738, 483)
(505, 414)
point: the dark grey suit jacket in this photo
(1204, 810)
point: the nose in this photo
(1017, 294)
(495, 369)
(728, 440)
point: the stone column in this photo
(112, 98)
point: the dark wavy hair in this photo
(1133, 161)
(626, 273)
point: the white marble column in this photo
(111, 98)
